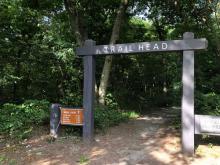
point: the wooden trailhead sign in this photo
(71, 116)
(143, 47)
(187, 46)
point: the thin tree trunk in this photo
(16, 86)
(60, 83)
(108, 59)
(161, 35)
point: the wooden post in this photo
(88, 94)
(188, 125)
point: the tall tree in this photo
(78, 12)
(108, 59)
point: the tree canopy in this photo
(38, 41)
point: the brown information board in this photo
(71, 116)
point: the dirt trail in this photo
(148, 140)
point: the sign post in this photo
(88, 93)
(187, 117)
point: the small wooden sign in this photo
(71, 116)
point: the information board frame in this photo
(71, 116)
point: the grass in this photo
(5, 160)
(83, 159)
(132, 114)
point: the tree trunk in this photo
(76, 21)
(161, 35)
(108, 59)
(16, 87)
(60, 83)
(80, 31)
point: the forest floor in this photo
(148, 140)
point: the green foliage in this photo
(18, 120)
(111, 102)
(107, 117)
(208, 103)
(5, 160)
(83, 160)
(111, 115)
(72, 98)
(38, 61)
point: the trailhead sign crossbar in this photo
(142, 47)
(187, 46)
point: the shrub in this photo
(208, 104)
(111, 115)
(107, 117)
(104, 118)
(18, 120)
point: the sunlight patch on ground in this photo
(207, 151)
(161, 156)
(98, 152)
(149, 118)
(50, 162)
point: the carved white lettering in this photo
(156, 46)
(164, 45)
(130, 48)
(98, 51)
(105, 49)
(112, 49)
(126, 49)
(147, 46)
(141, 47)
(120, 49)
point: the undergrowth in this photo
(18, 121)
